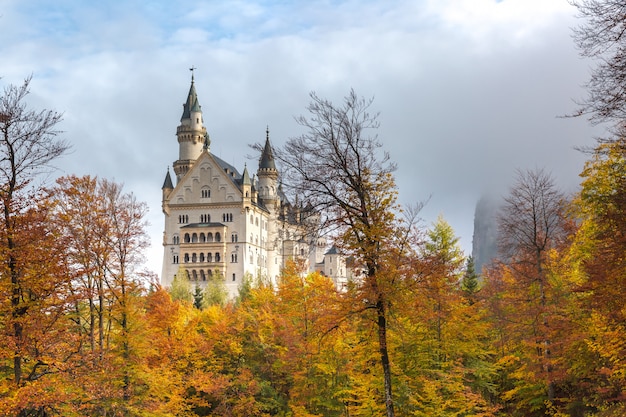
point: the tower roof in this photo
(267, 157)
(167, 184)
(246, 177)
(192, 104)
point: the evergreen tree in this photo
(198, 297)
(470, 284)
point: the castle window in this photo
(205, 218)
(194, 238)
(234, 277)
(194, 258)
(187, 238)
(175, 259)
(175, 239)
(202, 238)
(233, 237)
(209, 237)
(256, 221)
(186, 258)
(218, 237)
(202, 275)
(201, 257)
(233, 257)
(209, 257)
(205, 193)
(217, 256)
(183, 218)
(194, 275)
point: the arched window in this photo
(209, 257)
(210, 273)
(187, 238)
(175, 259)
(194, 238)
(202, 275)
(194, 275)
(202, 238)
(194, 258)
(209, 237)
(217, 256)
(201, 257)
(233, 237)
(218, 238)
(206, 193)
(186, 258)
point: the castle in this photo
(223, 224)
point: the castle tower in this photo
(192, 135)
(268, 174)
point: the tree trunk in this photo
(384, 354)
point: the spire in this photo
(167, 184)
(192, 104)
(267, 157)
(246, 177)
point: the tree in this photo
(602, 38)
(531, 225)
(470, 284)
(600, 245)
(338, 168)
(29, 144)
(180, 290)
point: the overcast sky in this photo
(468, 90)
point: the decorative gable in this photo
(209, 180)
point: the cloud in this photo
(468, 90)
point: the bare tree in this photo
(28, 145)
(530, 224)
(602, 39)
(338, 167)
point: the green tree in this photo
(215, 292)
(470, 283)
(180, 289)
(198, 298)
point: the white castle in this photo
(220, 223)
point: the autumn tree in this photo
(29, 145)
(600, 246)
(338, 167)
(105, 234)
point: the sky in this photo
(468, 91)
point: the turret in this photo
(246, 188)
(267, 173)
(192, 135)
(167, 188)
